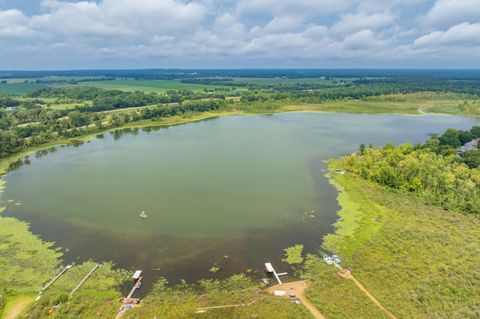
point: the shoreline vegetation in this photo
(195, 117)
(418, 260)
(416, 253)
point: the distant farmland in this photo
(147, 85)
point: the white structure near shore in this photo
(470, 145)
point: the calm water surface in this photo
(233, 191)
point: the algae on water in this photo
(293, 255)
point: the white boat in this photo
(143, 215)
(328, 260)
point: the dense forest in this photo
(436, 171)
(25, 127)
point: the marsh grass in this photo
(418, 260)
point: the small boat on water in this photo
(143, 215)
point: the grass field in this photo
(20, 88)
(146, 85)
(449, 106)
(183, 300)
(419, 261)
(335, 296)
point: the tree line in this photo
(435, 171)
(26, 127)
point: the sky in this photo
(109, 34)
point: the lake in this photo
(231, 192)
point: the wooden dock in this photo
(60, 274)
(56, 277)
(128, 300)
(271, 270)
(84, 279)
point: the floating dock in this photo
(128, 302)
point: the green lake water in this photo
(241, 187)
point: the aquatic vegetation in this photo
(293, 255)
(26, 262)
(214, 269)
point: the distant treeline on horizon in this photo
(169, 74)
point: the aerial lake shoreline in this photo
(180, 120)
(317, 169)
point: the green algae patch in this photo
(293, 255)
(26, 262)
(360, 217)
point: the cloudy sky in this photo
(54, 34)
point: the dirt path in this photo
(348, 275)
(17, 306)
(298, 287)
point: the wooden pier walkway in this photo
(128, 302)
(60, 274)
(56, 277)
(84, 279)
(271, 270)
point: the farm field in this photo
(20, 89)
(147, 86)
(288, 81)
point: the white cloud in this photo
(244, 30)
(359, 21)
(315, 31)
(464, 34)
(13, 24)
(284, 23)
(382, 5)
(450, 12)
(304, 7)
(364, 39)
(117, 18)
(228, 24)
